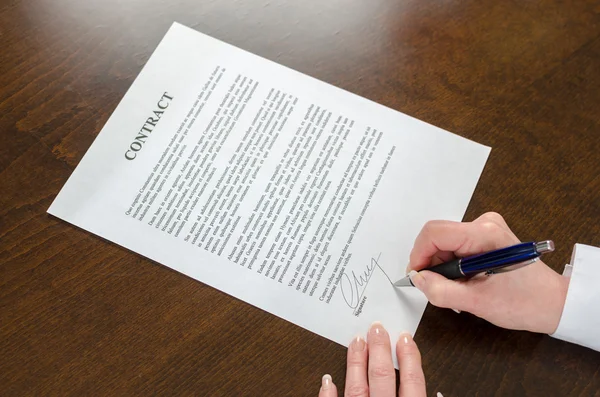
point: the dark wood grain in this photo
(81, 316)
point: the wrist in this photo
(556, 302)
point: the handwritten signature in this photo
(353, 286)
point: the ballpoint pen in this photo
(498, 261)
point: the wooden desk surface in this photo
(81, 316)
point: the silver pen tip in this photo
(404, 282)
(544, 246)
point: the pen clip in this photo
(510, 268)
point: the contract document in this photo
(295, 196)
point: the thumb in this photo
(442, 292)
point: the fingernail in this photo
(408, 269)
(326, 382)
(405, 337)
(439, 394)
(358, 344)
(455, 311)
(417, 279)
(376, 328)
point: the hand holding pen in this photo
(529, 299)
(498, 261)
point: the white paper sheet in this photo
(271, 186)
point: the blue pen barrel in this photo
(498, 259)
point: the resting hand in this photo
(531, 298)
(370, 371)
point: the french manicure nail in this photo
(376, 328)
(456, 311)
(358, 344)
(439, 394)
(405, 337)
(326, 382)
(416, 278)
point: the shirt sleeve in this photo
(580, 320)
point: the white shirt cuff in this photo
(580, 320)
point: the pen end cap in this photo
(544, 246)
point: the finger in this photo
(356, 372)
(493, 217)
(446, 293)
(436, 259)
(460, 238)
(412, 379)
(328, 389)
(441, 257)
(382, 376)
